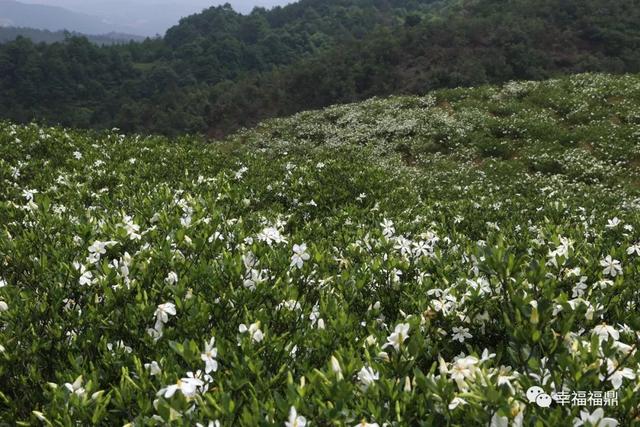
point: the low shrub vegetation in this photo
(332, 268)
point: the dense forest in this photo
(220, 70)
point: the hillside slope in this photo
(471, 43)
(404, 261)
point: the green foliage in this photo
(219, 71)
(475, 43)
(332, 262)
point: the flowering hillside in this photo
(470, 257)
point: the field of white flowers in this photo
(407, 261)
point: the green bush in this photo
(262, 279)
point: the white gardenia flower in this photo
(76, 387)
(399, 335)
(163, 312)
(422, 249)
(205, 378)
(499, 421)
(153, 368)
(209, 356)
(367, 376)
(460, 334)
(131, 228)
(457, 401)
(613, 223)
(463, 369)
(335, 367)
(249, 260)
(388, 229)
(254, 331)
(635, 248)
(300, 255)
(403, 245)
(3, 283)
(187, 386)
(612, 267)
(185, 220)
(98, 248)
(271, 235)
(407, 385)
(603, 331)
(28, 194)
(505, 376)
(240, 172)
(485, 356)
(154, 333)
(396, 275)
(596, 418)
(364, 423)
(119, 345)
(295, 420)
(3, 306)
(172, 278)
(254, 277)
(625, 329)
(289, 305)
(315, 317)
(86, 278)
(580, 288)
(617, 374)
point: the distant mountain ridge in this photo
(140, 17)
(52, 18)
(8, 34)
